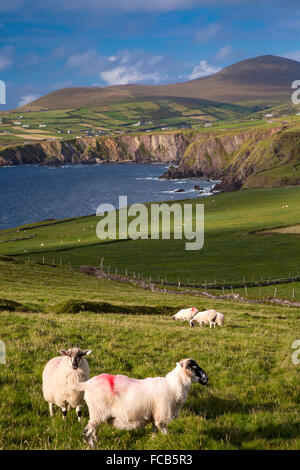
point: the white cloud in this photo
(27, 99)
(123, 75)
(293, 55)
(122, 68)
(203, 69)
(207, 33)
(88, 59)
(6, 57)
(223, 53)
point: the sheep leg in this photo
(154, 430)
(78, 413)
(162, 427)
(51, 409)
(64, 412)
(90, 434)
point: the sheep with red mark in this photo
(211, 317)
(128, 403)
(60, 376)
(185, 314)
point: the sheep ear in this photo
(87, 352)
(181, 362)
(63, 352)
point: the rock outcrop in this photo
(240, 159)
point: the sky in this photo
(51, 44)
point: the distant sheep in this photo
(128, 403)
(185, 314)
(211, 317)
(60, 375)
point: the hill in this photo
(260, 81)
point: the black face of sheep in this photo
(194, 371)
(75, 355)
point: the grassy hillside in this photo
(232, 252)
(125, 116)
(260, 81)
(252, 398)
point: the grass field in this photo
(252, 399)
(231, 220)
(123, 116)
(251, 402)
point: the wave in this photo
(150, 178)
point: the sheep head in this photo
(194, 371)
(75, 355)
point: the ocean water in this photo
(33, 193)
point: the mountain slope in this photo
(264, 80)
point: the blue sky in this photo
(51, 44)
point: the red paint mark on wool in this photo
(110, 379)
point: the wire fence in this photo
(265, 286)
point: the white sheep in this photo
(211, 317)
(185, 314)
(128, 403)
(60, 375)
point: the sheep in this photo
(128, 403)
(59, 377)
(185, 314)
(211, 317)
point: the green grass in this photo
(251, 402)
(231, 250)
(117, 116)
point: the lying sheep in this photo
(128, 403)
(211, 317)
(185, 314)
(60, 375)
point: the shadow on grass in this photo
(237, 436)
(212, 406)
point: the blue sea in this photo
(34, 193)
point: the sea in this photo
(31, 193)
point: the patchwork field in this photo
(128, 116)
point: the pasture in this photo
(236, 246)
(251, 401)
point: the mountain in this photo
(260, 81)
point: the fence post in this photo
(246, 290)
(293, 293)
(275, 290)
